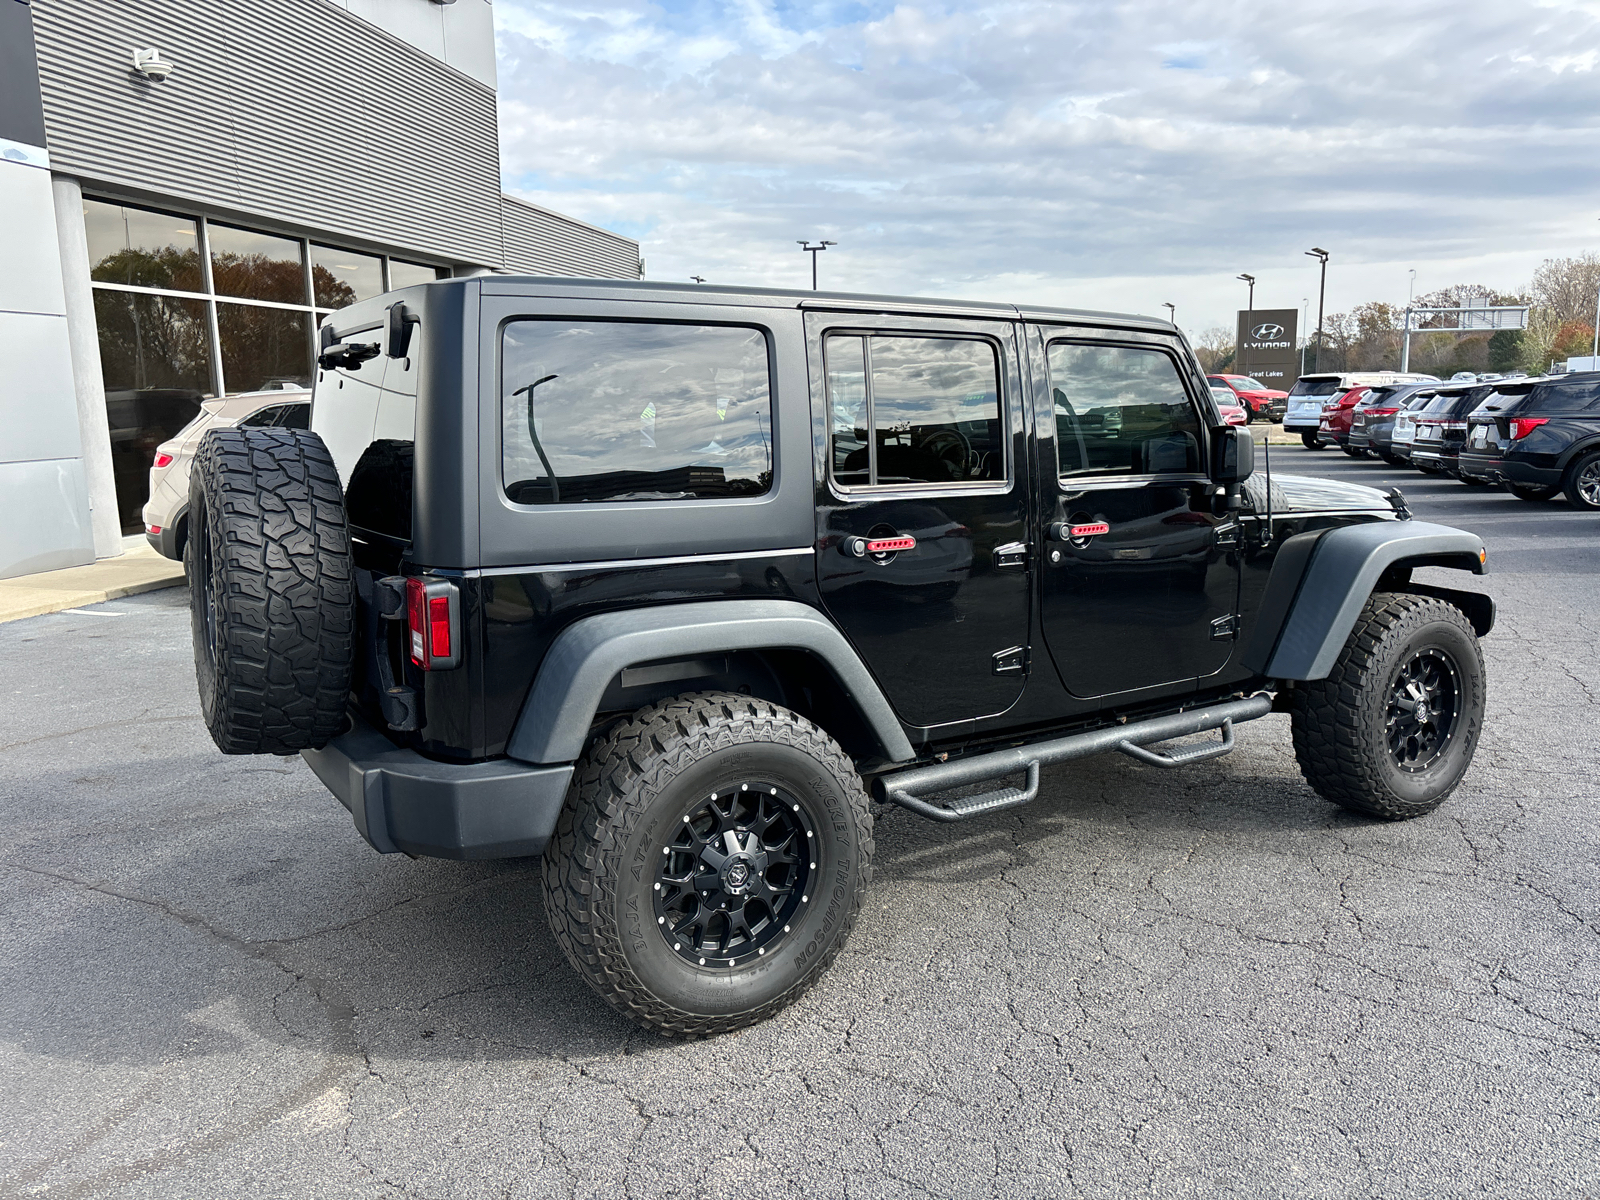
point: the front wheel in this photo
(1311, 441)
(709, 863)
(1583, 482)
(1392, 729)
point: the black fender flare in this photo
(1346, 565)
(585, 656)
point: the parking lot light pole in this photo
(813, 251)
(1321, 255)
(1249, 315)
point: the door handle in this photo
(860, 547)
(1066, 531)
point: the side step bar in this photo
(907, 788)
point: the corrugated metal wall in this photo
(542, 242)
(289, 109)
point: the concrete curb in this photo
(138, 569)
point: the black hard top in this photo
(707, 293)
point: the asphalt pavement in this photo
(1206, 982)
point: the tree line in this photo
(1561, 316)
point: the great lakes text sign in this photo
(1266, 342)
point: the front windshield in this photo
(1252, 385)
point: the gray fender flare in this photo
(1344, 570)
(586, 656)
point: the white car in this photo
(1311, 393)
(166, 513)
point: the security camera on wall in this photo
(151, 65)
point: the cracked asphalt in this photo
(1197, 983)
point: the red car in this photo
(1336, 418)
(1260, 402)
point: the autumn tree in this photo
(1214, 349)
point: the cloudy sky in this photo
(1088, 154)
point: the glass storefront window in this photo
(404, 274)
(341, 277)
(155, 358)
(137, 246)
(257, 266)
(264, 348)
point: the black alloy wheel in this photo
(1393, 727)
(709, 863)
(1424, 702)
(1583, 482)
(732, 879)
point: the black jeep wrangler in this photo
(657, 581)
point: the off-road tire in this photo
(1582, 478)
(1532, 491)
(628, 795)
(1338, 723)
(271, 590)
(1312, 441)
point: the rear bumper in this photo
(403, 802)
(1508, 470)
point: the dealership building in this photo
(188, 187)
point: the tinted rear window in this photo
(610, 410)
(1314, 387)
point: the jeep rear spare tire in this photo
(271, 590)
(709, 863)
(1392, 729)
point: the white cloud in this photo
(1069, 151)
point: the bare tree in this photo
(1567, 286)
(1214, 348)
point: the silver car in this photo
(166, 513)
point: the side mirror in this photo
(1233, 455)
(397, 331)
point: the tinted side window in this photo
(1568, 398)
(268, 416)
(931, 404)
(595, 410)
(295, 416)
(1121, 410)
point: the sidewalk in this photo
(138, 569)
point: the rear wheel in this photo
(1390, 457)
(1354, 451)
(710, 862)
(1311, 441)
(1583, 482)
(1392, 729)
(1530, 491)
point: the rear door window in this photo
(913, 411)
(1121, 410)
(632, 411)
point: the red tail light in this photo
(432, 625)
(1382, 412)
(1521, 427)
(162, 460)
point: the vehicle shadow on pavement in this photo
(268, 927)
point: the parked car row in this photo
(1539, 437)
(1258, 401)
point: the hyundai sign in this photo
(1268, 346)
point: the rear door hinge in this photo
(1225, 628)
(1227, 535)
(1011, 557)
(1011, 661)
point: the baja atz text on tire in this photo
(271, 590)
(709, 863)
(1392, 729)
